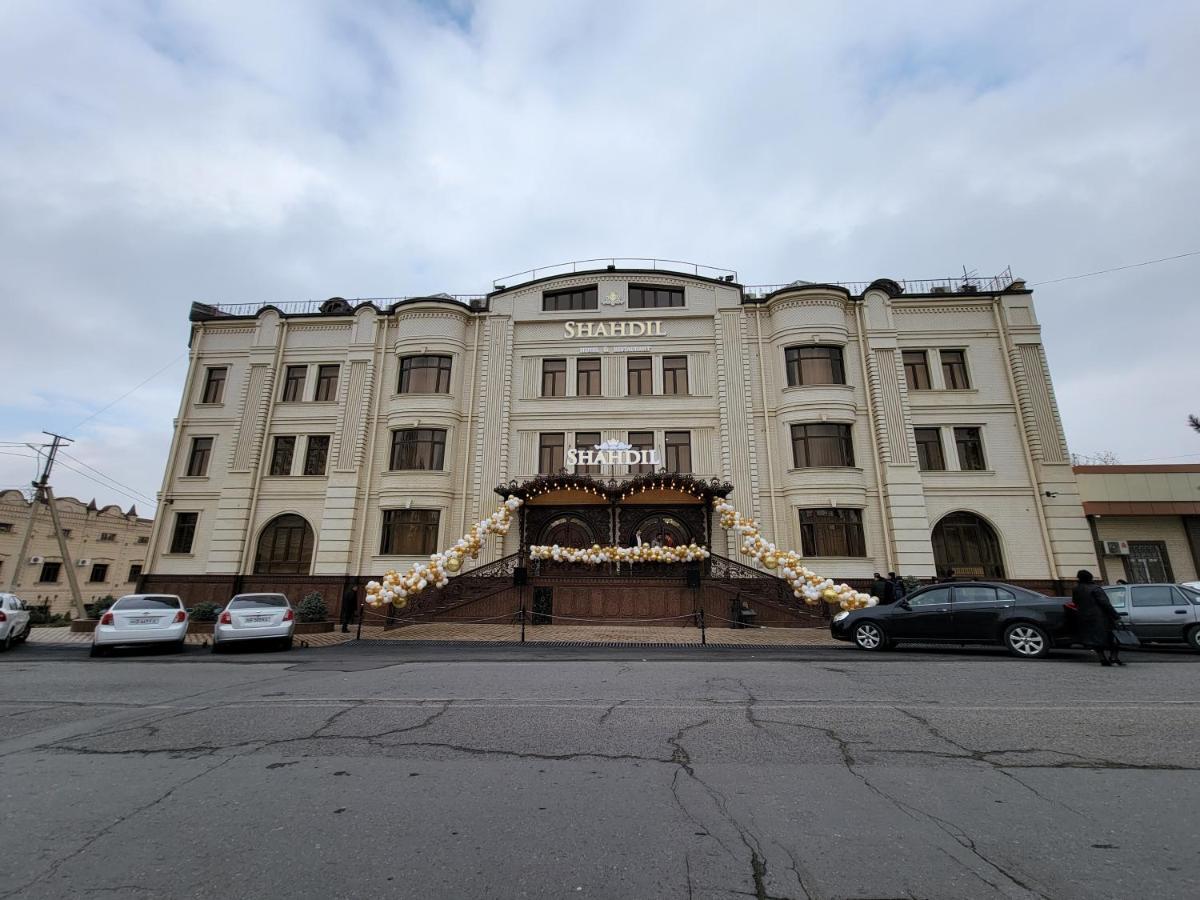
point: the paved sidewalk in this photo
(508, 633)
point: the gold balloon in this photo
(453, 564)
(770, 562)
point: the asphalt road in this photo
(506, 772)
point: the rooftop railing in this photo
(962, 284)
(307, 307)
(616, 262)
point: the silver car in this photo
(1166, 613)
(255, 617)
(142, 619)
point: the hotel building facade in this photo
(906, 426)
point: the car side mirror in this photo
(904, 604)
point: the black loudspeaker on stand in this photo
(693, 575)
(520, 576)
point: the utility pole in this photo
(43, 493)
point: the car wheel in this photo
(178, 646)
(96, 650)
(870, 636)
(1026, 640)
(217, 648)
(286, 643)
(1193, 637)
(7, 643)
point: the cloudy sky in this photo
(156, 153)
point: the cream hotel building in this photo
(907, 426)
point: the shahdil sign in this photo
(612, 453)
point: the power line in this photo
(136, 387)
(146, 497)
(1148, 262)
(102, 484)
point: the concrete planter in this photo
(84, 626)
(87, 626)
(314, 627)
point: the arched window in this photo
(666, 530)
(568, 531)
(285, 547)
(964, 542)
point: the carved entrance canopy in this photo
(657, 506)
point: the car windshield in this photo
(1191, 593)
(258, 601)
(147, 603)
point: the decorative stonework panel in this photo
(256, 398)
(354, 413)
(895, 432)
(1037, 405)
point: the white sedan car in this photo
(141, 619)
(255, 617)
(14, 620)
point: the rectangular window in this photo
(678, 447)
(1159, 595)
(641, 440)
(327, 381)
(293, 383)
(143, 539)
(428, 374)
(316, 454)
(821, 444)
(916, 370)
(108, 537)
(929, 449)
(554, 378)
(409, 532)
(587, 440)
(587, 377)
(572, 299)
(99, 572)
(814, 365)
(6, 527)
(185, 531)
(954, 370)
(214, 385)
(418, 449)
(641, 375)
(970, 449)
(648, 297)
(281, 454)
(49, 573)
(832, 532)
(198, 459)
(66, 532)
(675, 375)
(551, 452)
(135, 572)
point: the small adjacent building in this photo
(107, 545)
(1145, 520)
(907, 426)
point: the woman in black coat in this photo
(1094, 619)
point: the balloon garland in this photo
(642, 553)
(396, 588)
(805, 584)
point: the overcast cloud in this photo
(156, 153)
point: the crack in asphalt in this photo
(120, 820)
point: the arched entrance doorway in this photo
(964, 542)
(285, 547)
(567, 531)
(666, 530)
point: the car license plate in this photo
(258, 620)
(148, 621)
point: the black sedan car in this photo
(970, 612)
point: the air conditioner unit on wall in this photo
(83, 562)
(36, 560)
(1116, 548)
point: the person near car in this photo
(878, 585)
(1095, 618)
(349, 606)
(948, 577)
(899, 591)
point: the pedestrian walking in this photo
(899, 591)
(349, 606)
(1094, 619)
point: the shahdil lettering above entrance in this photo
(637, 328)
(612, 453)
